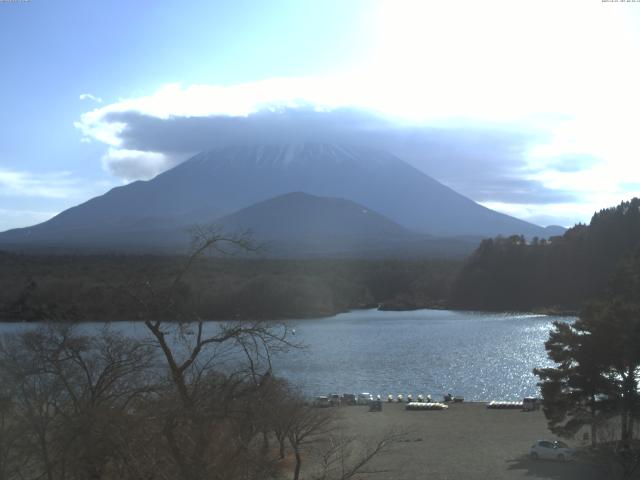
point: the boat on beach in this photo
(426, 406)
(496, 405)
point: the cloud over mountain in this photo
(148, 135)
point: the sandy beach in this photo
(467, 441)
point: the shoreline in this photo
(552, 312)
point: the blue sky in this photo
(528, 107)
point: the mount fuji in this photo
(213, 185)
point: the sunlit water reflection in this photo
(480, 356)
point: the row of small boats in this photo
(421, 398)
(409, 398)
(505, 405)
(426, 406)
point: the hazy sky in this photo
(529, 107)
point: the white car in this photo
(556, 450)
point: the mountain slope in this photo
(217, 183)
(293, 225)
(299, 215)
(302, 225)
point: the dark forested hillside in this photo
(512, 273)
(504, 273)
(99, 287)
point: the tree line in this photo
(562, 273)
(593, 387)
(94, 287)
(504, 273)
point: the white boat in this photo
(426, 406)
(504, 405)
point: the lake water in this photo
(481, 356)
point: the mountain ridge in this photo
(214, 184)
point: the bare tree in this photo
(217, 375)
(193, 400)
(280, 401)
(315, 433)
(10, 434)
(72, 394)
(306, 424)
(344, 457)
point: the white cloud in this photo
(564, 214)
(505, 60)
(559, 69)
(88, 96)
(136, 164)
(614, 147)
(48, 185)
(54, 185)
